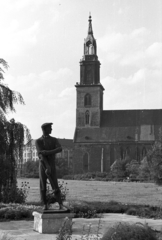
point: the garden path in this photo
(23, 230)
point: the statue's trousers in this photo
(43, 175)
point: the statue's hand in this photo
(43, 152)
(48, 171)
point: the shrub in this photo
(100, 179)
(101, 174)
(65, 232)
(131, 211)
(50, 195)
(6, 237)
(16, 213)
(15, 194)
(68, 177)
(125, 231)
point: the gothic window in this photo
(127, 151)
(87, 117)
(137, 153)
(121, 153)
(144, 152)
(85, 162)
(87, 100)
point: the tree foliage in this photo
(132, 169)
(154, 159)
(31, 169)
(12, 134)
(117, 169)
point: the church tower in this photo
(89, 90)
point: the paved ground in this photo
(23, 230)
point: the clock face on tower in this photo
(89, 75)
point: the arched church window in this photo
(144, 152)
(137, 153)
(127, 151)
(87, 117)
(87, 100)
(121, 153)
(85, 162)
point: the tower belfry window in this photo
(87, 117)
(87, 100)
(90, 49)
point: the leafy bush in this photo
(68, 177)
(65, 231)
(125, 231)
(6, 237)
(50, 195)
(15, 194)
(17, 211)
(30, 169)
(132, 211)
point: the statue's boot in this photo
(44, 201)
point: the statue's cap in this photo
(45, 125)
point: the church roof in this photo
(131, 117)
(66, 142)
(123, 126)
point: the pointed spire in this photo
(90, 31)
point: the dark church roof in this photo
(123, 126)
(66, 142)
(127, 118)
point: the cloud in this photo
(141, 90)
(48, 97)
(131, 49)
(151, 57)
(40, 82)
(117, 45)
(15, 41)
(19, 5)
(68, 92)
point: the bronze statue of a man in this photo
(47, 147)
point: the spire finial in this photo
(90, 31)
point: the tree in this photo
(145, 171)
(154, 159)
(12, 134)
(132, 169)
(117, 170)
(31, 169)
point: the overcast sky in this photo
(42, 41)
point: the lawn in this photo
(124, 192)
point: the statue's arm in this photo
(41, 156)
(53, 151)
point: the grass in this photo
(124, 192)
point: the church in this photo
(103, 136)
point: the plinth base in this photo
(50, 222)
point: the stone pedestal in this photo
(50, 222)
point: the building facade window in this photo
(144, 152)
(137, 153)
(87, 100)
(87, 118)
